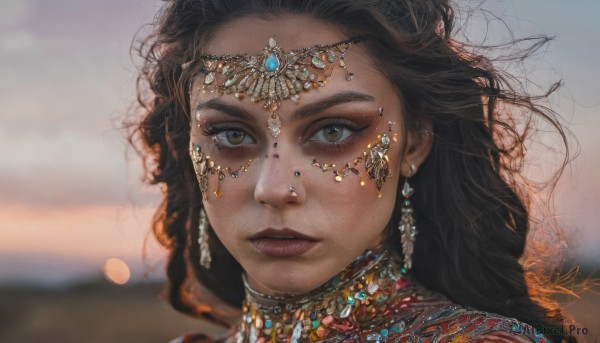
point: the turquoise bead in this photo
(271, 63)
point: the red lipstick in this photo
(282, 243)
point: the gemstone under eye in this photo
(235, 137)
(333, 133)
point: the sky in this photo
(70, 189)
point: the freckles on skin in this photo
(343, 217)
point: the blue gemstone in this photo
(268, 324)
(271, 63)
(384, 332)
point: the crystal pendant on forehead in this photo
(274, 125)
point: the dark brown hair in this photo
(472, 204)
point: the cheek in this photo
(349, 208)
(228, 213)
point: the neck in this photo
(355, 297)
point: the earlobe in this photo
(419, 145)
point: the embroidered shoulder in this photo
(464, 325)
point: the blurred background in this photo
(77, 261)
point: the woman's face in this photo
(290, 224)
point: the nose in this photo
(277, 185)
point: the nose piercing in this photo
(297, 173)
(293, 193)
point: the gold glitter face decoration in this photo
(339, 174)
(376, 163)
(204, 167)
(274, 75)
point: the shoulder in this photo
(465, 325)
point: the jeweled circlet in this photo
(274, 75)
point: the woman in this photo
(340, 171)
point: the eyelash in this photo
(345, 124)
(213, 132)
(355, 131)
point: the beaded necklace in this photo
(356, 299)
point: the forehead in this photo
(249, 34)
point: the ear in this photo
(418, 146)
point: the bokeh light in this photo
(116, 271)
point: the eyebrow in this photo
(299, 114)
(336, 99)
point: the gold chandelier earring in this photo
(205, 258)
(407, 227)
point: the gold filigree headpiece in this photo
(274, 75)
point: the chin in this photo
(286, 278)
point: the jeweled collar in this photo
(355, 299)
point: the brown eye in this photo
(333, 133)
(235, 137)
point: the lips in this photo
(282, 243)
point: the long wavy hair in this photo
(472, 204)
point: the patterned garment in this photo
(373, 300)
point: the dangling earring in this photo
(407, 227)
(205, 258)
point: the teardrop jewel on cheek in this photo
(377, 161)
